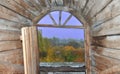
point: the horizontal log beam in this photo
(58, 26)
(62, 69)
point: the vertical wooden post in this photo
(87, 50)
(30, 50)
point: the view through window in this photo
(61, 46)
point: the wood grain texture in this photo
(111, 11)
(12, 56)
(9, 45)
(8, 68)
(112, 53)
(108, 28)
(103, 62)
(30, 50)
(107, 41)
(9, 35)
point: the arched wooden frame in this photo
(30, 48)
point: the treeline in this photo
(60, 50)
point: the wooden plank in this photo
(9, 45)
(33, 12)
(88, 7)
(12, 16)
(111, 11)
(113, 70)
(87, 50)
(108, 28)
(107, 41)
(105, 63)
(50, 25)
(98, 7)
(62, 69)
(8, 68)
(94, 70)
(30, 50)
(12, 5)
(82, 3)
(6, 35)
(12, 56)
(10, 25)
(107, 52)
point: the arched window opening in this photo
(60, 18)
(61, 42)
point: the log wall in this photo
(101, 15)
(105, 45)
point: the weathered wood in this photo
(12, 16)
(59, 26)
(8, 68)
(47, 10)
(62, 69)
(88, 7)
(111, 11)
(113, 70)
(80, 4)
(10, 25)
(103, 62)
(9, 35)
(98, 7)
(33, 12)
(87, 50)
(12, 56)
(109, 28)
(12, 5)
(9, 45)
(113, 53)
(107, 41)
(30, 50)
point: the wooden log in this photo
(88, 7)
(12, 5)
(62, 69)
(111, 11)
(58, 26)
(103, 62)
(10, 25)
(12, 56)
(9, 45)
(12, 16)
(113, 53)
(113, 70)
(9, 35)
(87, 50)
(109, 28)
(107, 41)
(8, 68)
(98, 7)
(95, 70)
(81, 4)
(33, 12)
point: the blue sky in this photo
(62, 33)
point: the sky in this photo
(62, 33)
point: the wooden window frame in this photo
(30, 48)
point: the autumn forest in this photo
(60, 50)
